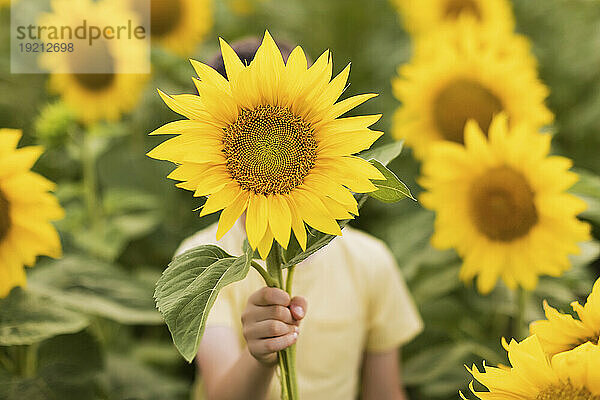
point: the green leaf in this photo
(127, 378)
(385, 154)
(27, 318)
(588, 188)
(432, 363)
(67, 368)
(188, 288)
(390, 190)
(97, 288)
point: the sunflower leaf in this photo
(384, 154)
(27, 318)
(390, 190)
(96, 288)
(188, 288)
(67, 367)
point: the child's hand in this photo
(270, 323)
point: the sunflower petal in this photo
(264, 247)
(221, 199)
(210, 76)
(280, 219)
(311, 209)
(231, 214)
(297, 223)
(233, 64)
(256, 219)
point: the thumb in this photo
(298, 307)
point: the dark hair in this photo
(246, 49)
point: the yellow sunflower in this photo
(26, 209)
(573, 375)
(501, 203)
(561, 332)
(113, 90)
(427, 15)
(464, 72)
(269, 142)
(178, 25)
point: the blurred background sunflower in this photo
(427, 15)
(96, 81)
(177, 25)
(465, 72)
(26, 212)
(499, 201)
(536, 61)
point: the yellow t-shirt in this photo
(357, 302)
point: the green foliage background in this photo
(115, 345)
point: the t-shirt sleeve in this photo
(393, 316)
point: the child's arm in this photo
(381, 377)
(270, 323)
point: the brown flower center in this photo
(4, 216)
(269, 149)
(165, 15)
(454, 8)
(566, 392)
(502, 204)
(460, 101)
(93, 58)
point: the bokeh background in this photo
(124, 220)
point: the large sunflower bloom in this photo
(561, 332)
(501, 203)
(465, 72)
(178, 25)
(268, 141)
(427, 15)
(113, 90)
(573, 375)
(26, 209)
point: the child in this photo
(353, 314)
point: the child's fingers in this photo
(272, 345)
(298, 306)
(270, 296)
(268, 329)
(279, 313)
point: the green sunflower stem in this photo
(520, 329)
(289, 384)
(90, 184)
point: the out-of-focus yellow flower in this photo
(561, 332)
(572, 375)
(178, 25)
(26, 209)
(463, 72)
(96, 96)
(268, 141)
(424, 16)
(244, 7)
(501, 203)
